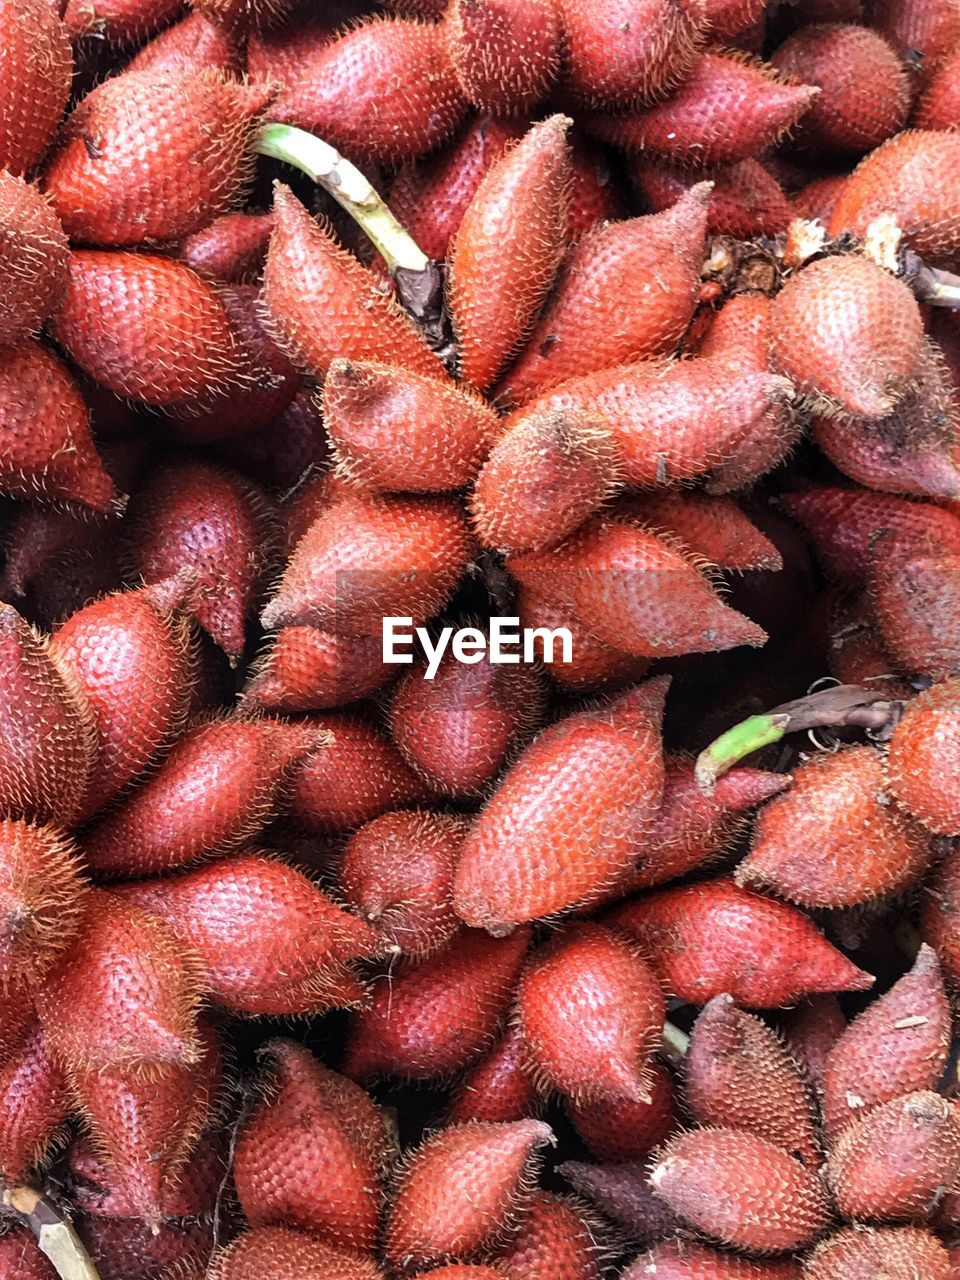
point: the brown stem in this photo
(55, 1236)
(931, 285)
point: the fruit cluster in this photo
(508, 970)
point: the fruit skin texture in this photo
(683, 1260)
(893, 1165)
(20, 1257)
(506, 53)
(898, 1253)
(231, 249)
(33, 258)
(35, 1103)
(923, 759)
(746, 200)
(620, 1129)
(741, 1190)
(34, 82)
(458, 1190)
(384, 91)
(714, 528)
(306, 669)
(939, 104)
(506, 250)
(117, 20)
(707, 939)
(275, 1253)
(192, 44)
(41, 900)
(622, 1192)
(591, 1013)
(931, 27)
(810, 1031)
(498, 1088)
(898, 1045)
(554, 1243)
(555, 831)
(914, 595)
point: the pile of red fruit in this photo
(313, 969)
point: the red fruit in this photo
(393, 429)
(898, 1045)
(466, 1271)
(239, 767)
(16, 1015)
(121, 1247)
(739, 1075)
(498, 1088)
(626, 51)
(727, 18)
(192, 44)
(34, 82)
(708, 939)
(48, 745)
(459, 1190)
(505, 53)
(41, 900)
(573, 793)
(930, 28)
(238, 15)
(325, 304)
(20, 1257)
(896, 1253)
(231, 250)
(367, 558)
(939, 104)
(915, 594)
(816, 200)
(505, 253)
(555, 1242)
(595, 194)
(309, 670)
(590, 1013)
(810, 1031)
(622, 1129)
(622, 1192)
(317, 493)
(437, 1015)
(311, 1152)
(893, 1165)
(33, 258)
(283, 453)
(34, 1104)
(282, 55)
(682, 1260)
(276, 1253)
(117, 20)
(593, 666)
(397, 873)
(124, 996)
(713, 528)
(730, 107)
(746, 200)
(146, 327)
(741, 1190)
(923, 761)
(383, 91)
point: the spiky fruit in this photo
(230, 250)
(630, 51)
(746, 200)
(48, 746)
(41, 900)
(815, 201)
(311, 1152)
(192, 44)
(893, 1165)
(456, 1195)
(939, 104)
(280, 56)
(274, 1253)
(506, 250)
(683, 1260)
(729, 108)
(505, 53)
(590, 1013)
(810, 1031)
(923, 761)
(33, 258)
(465, 1271)
(241, 15)
(896, 1253)
(130, 1246)
(713, 528)
(930, 28)
(573, 793)
(707, 939)
(16, 1017)
(623, 1129)
(595, 192)
(20, 1256)
(35, 81)
(593, 666)
(437, 1015)
(498, 1088)
(383, 91)
(310, 670)
(287, 450)
(627, 290)
(123, 996)
(898, 1045)
(914, 595)
(393, 429)
(239, 766)
(622, 1193)
(34, 1103)
(117, 20)
(741, 1190)
(555, 1242)
(146, 327)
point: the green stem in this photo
(731, 747)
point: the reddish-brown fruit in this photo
(239, 15)
(41, 900)
(683, 1260)
(815, 201)
(622, 1192)
(125, 1247)
(459, 1190)
(436, 1016)
(729, 108)
(33, 258)
(124, 996)
(506, 53)
(309, 670)
(591, 666)
(573, 794)
(146, 327)
(231, 250)
(895, 1253)
(930, 28)
(623, 1129)
(316, 494)
(48, 745)
(739, 1075)
(915, 595)
(276, 1253)
(498, 1088)
(810, 1031)
(466, 1271)
(396, 430)
(505, 253)
(34, 82)
(898, 1045)
(34, 1103)
(627, 290)
(281, 56)
(240, 767)
(325, 304)
(397, 873)
(590, 1013)
(923, 761)
(713, 528)
(595, 192)
(727, 18)
(555, 1242)
(893, 1165)
(939, 104)
(284, 452)
(746, 200)
(20, 1256)
(367, 558)
(742, 1190)
(311, 1152)
(16, 1016)
(118, 21)
(711, 938)
(384, 91)
(192, 44)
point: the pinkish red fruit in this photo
(923, 759)
(506, 53)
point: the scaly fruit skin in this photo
(622, 1192)
(382, 92)
(740, 1075)
(506, 250)
(683, 1260)
(893, 1165)
(240, 15)
(306, 669)
(939, 104)
(896, 1253)
(816, 200)
(898, 1045)
(711, 938)
(923, 758)
(498, 1088)
(741, 1190)
(128, 1246)
(47, 449)
(34, 83)
(230, 250)
(746, 200)
(280, 56)
(458, 1191)
(146, 327)
(506, 53)
(940, 910)
(33, 258)
(810, 1031)
(312, 1151)
(928, 27)
(275, 1253)
(34, 1103)
(627, 290)
(621, 1129)
(914, 596)
(192, 44)
(593, 666)
(555, 1242)
(555, 831)
(439, 1014)
(41, 900)
(325, 304)
(20, 1256)
(590, 1012)
(117, 20)
(714, 528)
(48, 746)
